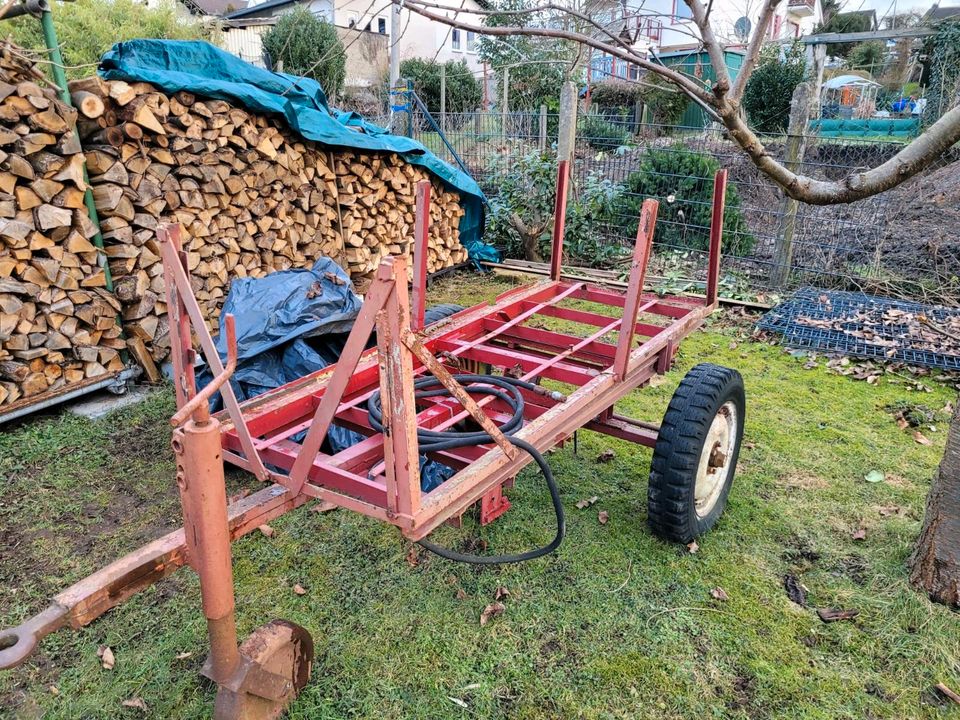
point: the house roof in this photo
(256, 9)
(214, 7)
(247, 11)
(942, 13)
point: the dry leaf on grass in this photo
(586, 502)
(920, 438)
(136, 703)
(603, 516)
(693, 547)
(266, 530)
(795, 590)
(183, 655)
(413, 556)
(833, 614)
(457, 701)
(718, 593)
(491, 611)
(501, 593)
(606, 456)
(299, 589)
(107, 659)
(860, 534)
(461, 594)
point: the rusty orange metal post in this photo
(716, 237)
(559, 219)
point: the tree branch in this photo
(753, 50)
(673, 76)
(724, 100)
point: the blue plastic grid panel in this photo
(860, 325)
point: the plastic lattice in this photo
(861, 325)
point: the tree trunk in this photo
(935, 562)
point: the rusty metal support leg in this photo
(716, 237)
(204, 497)
(638, 271)
(559, 219)
(420, 251)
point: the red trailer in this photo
(484, 392)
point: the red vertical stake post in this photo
(421, 232)
(638, 272)
(559, 219)
(716, 236)
(401, 455)
(181, 343)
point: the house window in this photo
(634, 72)
(654, 29)
(382, 26)
(775, 27)
(455, 39)
(471, 41)
(681, 12)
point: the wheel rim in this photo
(715, 459)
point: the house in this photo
(659, 27)
(419, 37)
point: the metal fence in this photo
(904, 242)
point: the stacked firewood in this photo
(251, 196)
(58, 323)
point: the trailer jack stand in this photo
(260, 678)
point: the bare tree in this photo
(935, 562)
(723, 98)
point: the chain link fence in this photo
(904, 242)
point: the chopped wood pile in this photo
(251, 196)
(58, 322)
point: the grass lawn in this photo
(617, 624)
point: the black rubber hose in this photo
(507, 390)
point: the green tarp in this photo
(202, 69)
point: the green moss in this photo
(617, 624)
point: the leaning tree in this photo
(609, 27)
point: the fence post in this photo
(792, 160)
(505, 102)
(637, 116)
(568, 122)
(543, 128)
(443, 97)
(409, 108)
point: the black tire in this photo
(671, 496)
(436, 313)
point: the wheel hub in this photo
(714, 465)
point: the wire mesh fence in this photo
(904, 242)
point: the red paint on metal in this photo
(421, 233)
(559, 219)
(638, 272)
(716, 237)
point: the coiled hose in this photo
(507, 390)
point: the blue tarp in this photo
(202, 69)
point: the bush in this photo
(665, 102)
(870, 56)
(464, 91)
(687, 178)
(525, 189)
(88, 28)
(615, 94)
(770, 89)
(601, 134)
(310, 47)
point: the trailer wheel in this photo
(695, 457)
(436, 313)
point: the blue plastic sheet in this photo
(290, 324)
(202, 69)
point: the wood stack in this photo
(251, 196)
(377, 198)
(57, 321)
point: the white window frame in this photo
(471, 43)
(381, 26)
(456, 42)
